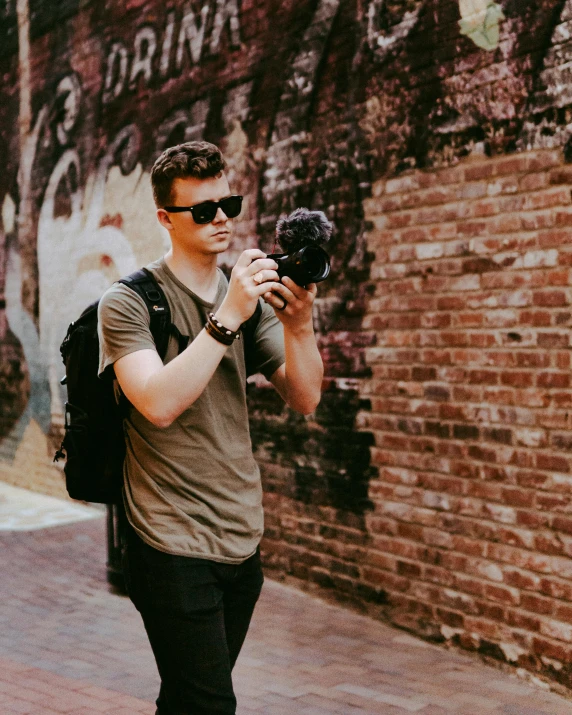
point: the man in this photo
(192, 489)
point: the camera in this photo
(300, 234)
(310, 264)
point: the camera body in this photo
(310, 264)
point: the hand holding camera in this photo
(304, 262)
(252, 276)
(283, 279)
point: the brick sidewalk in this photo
(68, 645)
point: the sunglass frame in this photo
(215, 204)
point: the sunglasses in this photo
(207, 210)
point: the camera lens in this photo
(310, 264)
(315, 263)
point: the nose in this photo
(220, 216)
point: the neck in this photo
(198, 272)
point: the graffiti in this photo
(192, 35)
(28, 139)
(145, 46)
(80, 247)
(548, 121)
(87, 251)
(480, 22)
(226, 12)
(420, 111)
(243, 166)
(183, 125)
(17, 228)
(68, 95)
(354, 92)
(19, 317)
(284, 161)
(23, 327)
(25, 389)
(388, 24)
(117, 63)
(125, 68)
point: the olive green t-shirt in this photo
(192, 488)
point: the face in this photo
(198, 239)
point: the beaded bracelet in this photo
(217, 330)
(220, 337)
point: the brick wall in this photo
(431, 486)
(470, 405)
(467, 533)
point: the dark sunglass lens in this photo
(231, 206)
(205, 212)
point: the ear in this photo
(164, 219)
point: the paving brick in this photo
(302, 656)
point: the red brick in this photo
(553, 379)
(517, 379)
(563, 218)
(523, 621)
(555, 463)
(553, 299)
(552, 649)
(561, 175)
(480, 171)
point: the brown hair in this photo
(200, 160)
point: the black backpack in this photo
(94, 444)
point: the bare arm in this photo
(299, 379)
(162, 392)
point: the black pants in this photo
(196, 613)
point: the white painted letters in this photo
(70, 89)
(145, 46)
(192, 34)
(226, 11)
(116, 72)
(181, 44)
(167, 45)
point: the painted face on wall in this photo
(186, 234)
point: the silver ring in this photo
(258, 278)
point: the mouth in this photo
(221, 234)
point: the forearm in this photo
(175, 386)
(162, 392)
(304, 370)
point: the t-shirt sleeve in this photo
(122, 326)
(269, 340)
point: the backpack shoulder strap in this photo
(248, 329)
(143, 283)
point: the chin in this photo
(219, 247)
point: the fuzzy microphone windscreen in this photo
(303, 228)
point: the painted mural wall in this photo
(318, 103)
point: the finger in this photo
(260, 264)
(303, 293)
(263, 276)
(299, 291)
(251, 254)
(275, 301)
(263, 288)
(285, 293)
